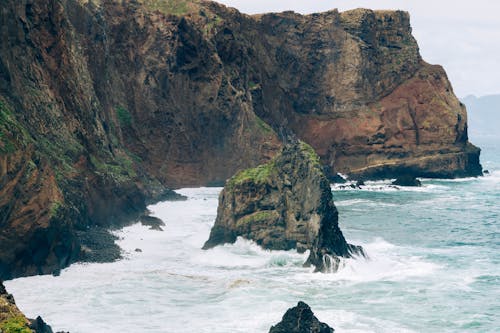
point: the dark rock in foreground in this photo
(300, 319)
(407, 180)
(98, 245)
(13, 320)
(39, 326)
(284, 204)
(152, 222)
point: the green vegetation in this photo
(252, 85)
(173, 7)
(258, 175)
(124, 117)
(62, 151)
(54, 208)
(310, 152)
(212, 23)
(260, 216)
(12, 133)
(120, 169)
(15, 325)
(133, 156)
(263, 125)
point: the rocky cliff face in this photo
(284, 204)
(104, 104)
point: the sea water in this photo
(434, 266)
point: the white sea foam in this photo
(386, 186)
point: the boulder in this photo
(282, 205)
(407, 180)
(300, 319)
(39, 326)
(153, 222)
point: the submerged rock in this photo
(300, 319)
(284, 204)
(154, 223)
(407, 180)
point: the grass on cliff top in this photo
(310, 152)
(258, 175)
(15, 325)
(172, 7)
(261, 173)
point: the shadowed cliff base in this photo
(105, 104)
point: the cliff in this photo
(284, 204)
(105, 104)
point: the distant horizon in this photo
(460, 36)
(482, 96)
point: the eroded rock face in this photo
(300, 319)
(284, 204)
(105, 104)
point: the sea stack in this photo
(300, 319)
(281, 205)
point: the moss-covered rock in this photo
(281, 205)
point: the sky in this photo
(462, 36)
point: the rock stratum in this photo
(281, 205)
(105, 104)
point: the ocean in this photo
(433, 266)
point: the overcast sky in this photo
(463, 36)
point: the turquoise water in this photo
(434, 267)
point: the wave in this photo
(385, 262)
(386, 186)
